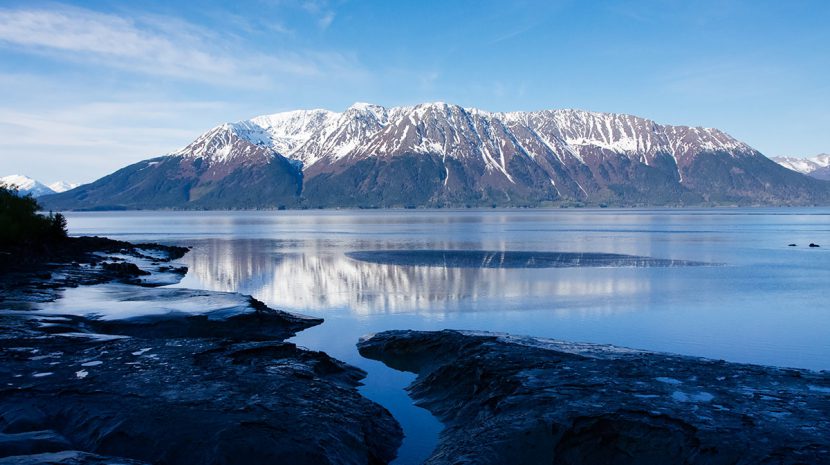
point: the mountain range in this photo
(442, 155)
(817, 166)
(26, 185)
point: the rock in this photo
(179, 401)
(124, 270)
(30, 442)
(178, 313)
(792, 245)
(521, 400)
(142, 374)
(511, 259)
(70, 457)
(814, 245)
(172, 269)
(75, 261)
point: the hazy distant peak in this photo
(817, 166)
(63, 186)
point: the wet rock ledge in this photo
(33, 273)
(140, 374)
(520, 400)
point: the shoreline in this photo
(524, 400)
(462, 209)
(217, 362)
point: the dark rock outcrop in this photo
(37, 272)
(69, 457)
(521, 400)
(170, 376)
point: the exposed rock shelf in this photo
(169, 376)
(521, 400)
(513, 259)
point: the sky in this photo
(89, 87)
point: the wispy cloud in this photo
(156, 46)
(325, 21)
(88, 139)
(321, 9)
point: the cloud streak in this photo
(90, 139)
(158, 46)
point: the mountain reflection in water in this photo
(320, 278)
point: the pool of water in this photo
(366, 271)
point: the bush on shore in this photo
(20, 222)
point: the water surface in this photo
(765, 303)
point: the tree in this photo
(21, 223)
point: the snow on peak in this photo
(25, 185)
(364, 106)
(366, 130)
(225, 143)
(804, 165)
(63, 186)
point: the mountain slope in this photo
(437, 154)
(817, 166)
(218, 170)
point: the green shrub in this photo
(21, 223)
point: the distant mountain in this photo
(26, 185)
(438, 154)
(63, 186)
(817, 166)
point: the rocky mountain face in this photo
(817, 167)
(438, 154)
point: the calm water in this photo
(760, 302)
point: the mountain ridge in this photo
(817, 166)
(438, 154)
(26, 185)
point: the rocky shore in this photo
(520, 400)
(145, 374)
(36, 273)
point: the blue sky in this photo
(88, 87)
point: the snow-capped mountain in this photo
(438, 154)
(817, 166)
(25, 185)
(63, 186)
